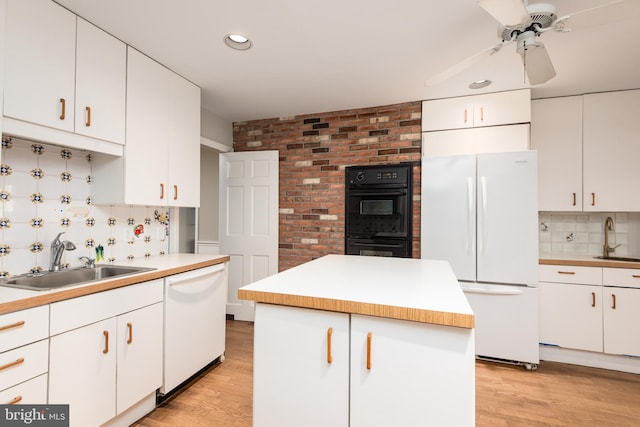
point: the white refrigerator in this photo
(480, 213)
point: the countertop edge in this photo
(589, 263)
(104, 285)
(459, 320)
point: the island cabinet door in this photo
(411, 374)
(301, 367)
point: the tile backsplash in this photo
(46, 190)
(583, 233)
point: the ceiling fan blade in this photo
(537, 64)
(506, 12)
(464, 64)
(611, 12)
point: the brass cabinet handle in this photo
(15, 400)
(161, 191)
(329, 333)
(10, 364)
(636, 276)
(613, 296)
(593, 299)
(574, 199)
(566, 272)
(175, 192)
(88, 122)
(63, 104)
(465, 115)
(13, 325)
(369, 351)
(106, 342)
(593, 199)
(130, 327)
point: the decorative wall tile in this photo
(48, 191)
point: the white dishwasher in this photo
(194, 322)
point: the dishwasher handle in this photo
(196, 274)
(484, 291)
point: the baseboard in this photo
(592, 359)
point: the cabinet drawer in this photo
(570, 274)
(77, 312)
(623, 277)
(23, 363)
(23, 327)
(32, 392)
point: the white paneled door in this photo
(248, 221)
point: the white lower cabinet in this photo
(318, 368)
(29, 392)
(107, 352)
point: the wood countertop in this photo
(12, 299)
(586, 261)
(399, 288)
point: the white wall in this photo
(216, 128)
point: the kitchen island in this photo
(363, 341)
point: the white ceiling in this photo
(329, 55)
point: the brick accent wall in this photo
(314, 151)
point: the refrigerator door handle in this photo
(482, 238)
(471, 216)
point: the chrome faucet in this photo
(606, 249)
(57, 248)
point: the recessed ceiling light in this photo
(479, 84)
(237, 41)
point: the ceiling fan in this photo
(523, 23)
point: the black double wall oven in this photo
(378, 210)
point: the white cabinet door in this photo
(621, 317)
(301, 370)
(147, 130)
(556, 133)
(139, 347)
(489, 109)
(426, 370)
(82, 372)
(184, 143)
(571, 315)
(611, 150)
(101, 65)
(40, 53)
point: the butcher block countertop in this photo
(399, 288)
(585, 261)
(12, 299)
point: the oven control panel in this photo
(377, 175)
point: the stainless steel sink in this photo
(76, 276)
(618, 258)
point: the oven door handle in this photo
(378, 193)
(378, 245)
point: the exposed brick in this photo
(313, 120)
(310, 132)
(346, 129)
(415, 122)
(379, 132)
(321, 126)
(339, 136)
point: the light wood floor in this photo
(554, 395)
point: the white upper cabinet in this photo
(101, 64)
(611, 151)
(63, 75)
(493, 139)
(161, 166)
(556, 133)
(40, 55)
(476, 111)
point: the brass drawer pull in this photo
(593, 199)
(329, 333)
(613, 296)
(574, 199)
(566, 272)
(636, 276)
(369, 350)
(161, 191)
(88, 122)
(14, 363)
(175, 192)
(593, 299)
(11, 326)
(106, 342)
(15, 400)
